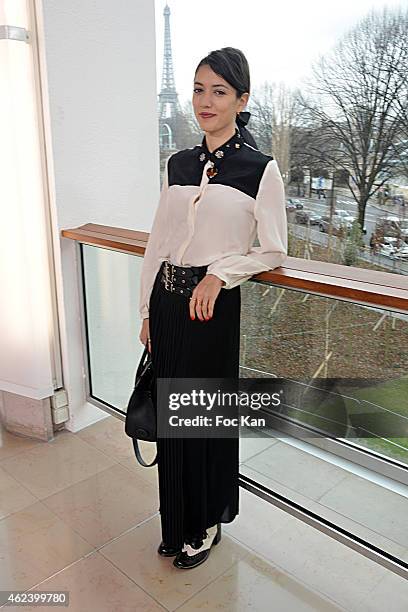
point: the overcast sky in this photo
(279, 39)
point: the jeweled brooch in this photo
(212, 171)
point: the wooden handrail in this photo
(382, 289)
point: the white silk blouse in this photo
(214, 220)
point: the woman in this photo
(215, 198)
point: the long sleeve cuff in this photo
(144, 312)
(237, 269)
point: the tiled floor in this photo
(79, 514)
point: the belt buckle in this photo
(167, 272)
(167, 283)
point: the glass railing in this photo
(111, 323)
(335, 451)
(337, 444)
(346, 364)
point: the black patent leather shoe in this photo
(168, 551)
(186, 560)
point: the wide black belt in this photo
(180, 279)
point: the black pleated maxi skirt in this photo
(198, 477)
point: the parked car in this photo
(348, 218)
(392, 226)
(345, 216)
(306, 217)
(390, 250)
(295, 202)
(387, 249)
(401, 253)
(390, 240)
(342, 221)
(338, 227)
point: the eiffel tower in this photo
(169, 105)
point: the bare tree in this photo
(273, 108)
(186, 127)
(357, 100)
(260, 106)
(283, 117)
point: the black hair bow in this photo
(243, 118)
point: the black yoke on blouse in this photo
(240, 167)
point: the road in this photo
(322, 207)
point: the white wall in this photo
(99, 72)
(26, 318)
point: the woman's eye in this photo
(219, 91)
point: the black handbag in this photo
(141, 418)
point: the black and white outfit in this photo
(212, 206)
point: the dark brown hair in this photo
(232, 65)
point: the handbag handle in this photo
(144, 364)
(139, 456)
(144, 361)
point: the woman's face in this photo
(215, 102)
